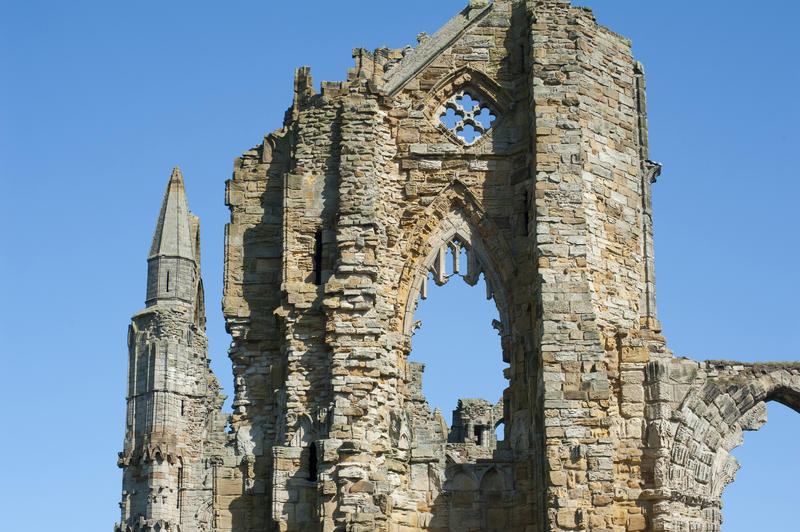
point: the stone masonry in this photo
(174, 425)
(517, 134)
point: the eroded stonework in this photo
(339, 219)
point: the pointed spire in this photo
(173, 236)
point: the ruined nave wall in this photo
(341, 218)
(338, 218)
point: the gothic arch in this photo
(711, 421)
(709, 424)
(492, 480)
(467, 80)
(460, 477)
(455, 217)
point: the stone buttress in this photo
(173, 417)
(516, 134)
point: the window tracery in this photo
(467, 116)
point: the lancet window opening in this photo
(460, 252)
(462, 237)
(317, 258)
(179, 498)
(312, 462)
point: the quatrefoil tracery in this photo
(467, 117)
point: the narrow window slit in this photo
(312, 462)
(180, 487)
(318, 258)
(525, 215)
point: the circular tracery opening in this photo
(467, 117)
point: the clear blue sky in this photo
(100, 99)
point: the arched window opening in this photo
(499, 430)
(763, 495)
(459, 344)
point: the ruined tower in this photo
(173, 399)
(517, 133)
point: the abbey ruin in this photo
(518, 133)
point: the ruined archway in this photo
(696, 463)
(765, 485)
(454, 219)
(455, 222)
(457, 339)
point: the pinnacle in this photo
(172, 236)
(177, 175)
